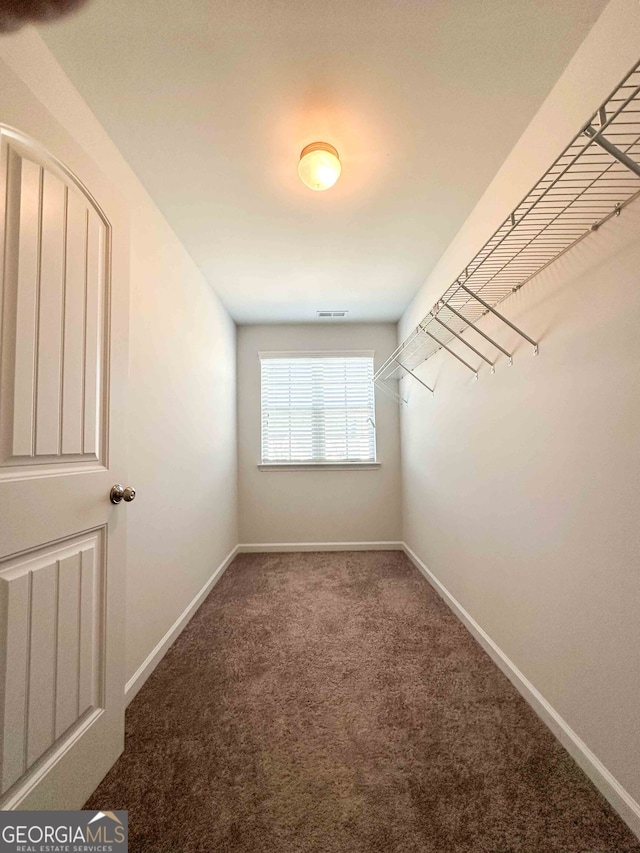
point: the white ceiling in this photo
(212, 104)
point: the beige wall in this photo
(181, 410)
(521, 490)
(315, 506)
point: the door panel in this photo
(63, 369)
(55, 295)
(53, 651)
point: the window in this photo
(317, 408)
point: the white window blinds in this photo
(317, 408)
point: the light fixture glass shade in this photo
(319, 167)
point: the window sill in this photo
(319, 466)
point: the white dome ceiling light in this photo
(319, 167)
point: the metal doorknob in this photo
(120, 493)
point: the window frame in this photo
(318, 464)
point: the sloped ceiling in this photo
(211, 102)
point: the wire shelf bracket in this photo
(465, 342)
(500, 316)
(593, 180)
(411, 373)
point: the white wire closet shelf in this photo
(593, 179)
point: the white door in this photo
(63, 366)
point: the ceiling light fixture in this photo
(319, 167)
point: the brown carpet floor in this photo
(331, 703)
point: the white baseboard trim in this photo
(147, 666)
(275, 547)
(605, 782)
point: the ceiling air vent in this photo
(331, 315)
